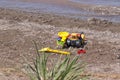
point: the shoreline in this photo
(56, 20)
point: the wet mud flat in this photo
(19, 28)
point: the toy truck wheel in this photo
(68, 42)
(78, 43)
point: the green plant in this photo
(65, 68)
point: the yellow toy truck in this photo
(66, 40)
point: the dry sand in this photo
(19, 28)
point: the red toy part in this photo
(81, 51)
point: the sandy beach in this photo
(19, 28)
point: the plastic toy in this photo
(53, 51)
(62, 38)
(66, 39)
(81, 51)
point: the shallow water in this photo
(45, 7)
(99, 2)
(57, 9)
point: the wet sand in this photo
(19, 28)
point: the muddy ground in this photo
(18, 30)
